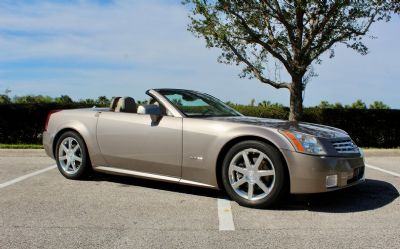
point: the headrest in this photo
(114, 102)
(126, 104)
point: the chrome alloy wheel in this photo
(70, 155)
(251, 174)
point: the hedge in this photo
(24, 123)
(367, 127)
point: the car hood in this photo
(308, 128)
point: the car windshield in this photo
(195, 104)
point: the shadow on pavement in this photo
(371, 194)
(126, 181)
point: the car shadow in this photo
(126, 181)
(370, 195)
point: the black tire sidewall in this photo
(274, 156)
(85, 166)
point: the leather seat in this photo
(114, 102)
(126, 104)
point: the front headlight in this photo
(304, 142)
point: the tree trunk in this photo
(296, 99)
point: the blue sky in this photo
(103, 47)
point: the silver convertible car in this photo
(192, 138)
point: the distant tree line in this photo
(358, 104)
(104, 101)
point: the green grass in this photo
(21, 146)
(375, 148)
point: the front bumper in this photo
(308, 173)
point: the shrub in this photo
(24, 123)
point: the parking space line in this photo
(225, 215)
(383, 170)
(21, 178)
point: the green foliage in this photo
(359, 104)
(64, 99)
(103, 101)
(4, 99)
(30, 99)
(294, 34)
(177, 102)
(379, 105)
(21, 146)
(269, 104)
(87, 102)
(24, 123)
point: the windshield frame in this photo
(202, 96)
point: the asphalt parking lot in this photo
(39, 208)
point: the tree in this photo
(324, 105)
(327, 105)
(267, 103)
(4, 99)
(87, 102)
(32, 99)
(252, 102)
(103, 101)
(378, 105)
(64, 99)
(294, 33)
(358, 104)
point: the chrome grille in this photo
(345, 146)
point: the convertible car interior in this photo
(128, 105)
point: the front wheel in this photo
(253, 174)
(71, 156)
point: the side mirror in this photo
(155, 114)
(153, 110)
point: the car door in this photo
(130, 141)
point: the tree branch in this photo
(256, 38)
(253, 69)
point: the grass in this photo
(21, 146)
(374, 148)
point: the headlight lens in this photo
(304, 143)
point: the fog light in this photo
(331, 181)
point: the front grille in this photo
(345, 146)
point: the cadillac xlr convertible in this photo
(192, 138)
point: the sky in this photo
(90, 48)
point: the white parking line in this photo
(21, 178)
(383, 170)
(225, 215)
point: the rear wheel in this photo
(71, 156)
(253, 174)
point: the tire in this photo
(259, 180)
(72, 157)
